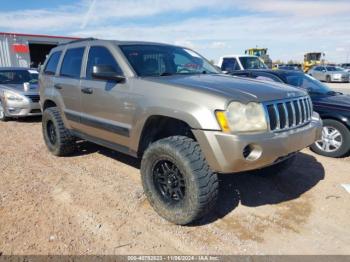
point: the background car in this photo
(233, 63)
(19, 94)
(333, 107)
(329, 74)
(290, 67)
(346, 67)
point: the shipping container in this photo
(26, 50)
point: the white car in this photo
(346, 67)
(232, 63)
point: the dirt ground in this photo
(93, 203)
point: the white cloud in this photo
(300, 7)
(288, 28)
(218, 44)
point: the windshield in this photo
(309, 83)
(251, 62)
(18, 77)
(162, 60)
(313, 56)
(333, 68)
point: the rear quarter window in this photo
(230, 64)
(72, 61)
(51, 65)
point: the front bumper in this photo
(22, 108)
(225, 152)
(341, 78)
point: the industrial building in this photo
(27, 50)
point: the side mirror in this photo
(26, 86)
(106, 72)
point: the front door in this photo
(106, 108)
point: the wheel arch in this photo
(48, 103)
(337, 117)
(160, 126)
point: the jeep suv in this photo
(170, 107)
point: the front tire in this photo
(57, 137)
(335, 140)
(328, 79)
(177, 180)
(3, 116)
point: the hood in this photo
(232, 87)
(335, 101)
(338, 73)
(19, 88)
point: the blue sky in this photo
(289, 28)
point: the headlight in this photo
(240, 118)
(11, 96)
(337, 75)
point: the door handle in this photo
(58, 86)
(87, 90)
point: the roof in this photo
(16, 68)
(228, 56)
(117, 42)
(36, 35)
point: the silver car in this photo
(346, 67)
(329, 74)
(19, 94)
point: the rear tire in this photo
(3, 116)
(335, 140)
(57, 138)
(177, 180)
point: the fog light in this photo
(252, 152)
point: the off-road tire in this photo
(201, 182)
(344, 148)
(64, 144)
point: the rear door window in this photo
(71, 65)
(51, 65)
(99, 55)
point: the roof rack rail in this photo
(79, 40)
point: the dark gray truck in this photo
(170, 107)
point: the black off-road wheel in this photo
(57, 137)
(177, 180)
(335, 141)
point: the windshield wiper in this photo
(334, 93)
(166, 74)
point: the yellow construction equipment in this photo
(311, 59)
(262, 53)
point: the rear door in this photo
(107, 111)
(68, 85)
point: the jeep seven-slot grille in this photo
(34, 98)
(290, 113)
